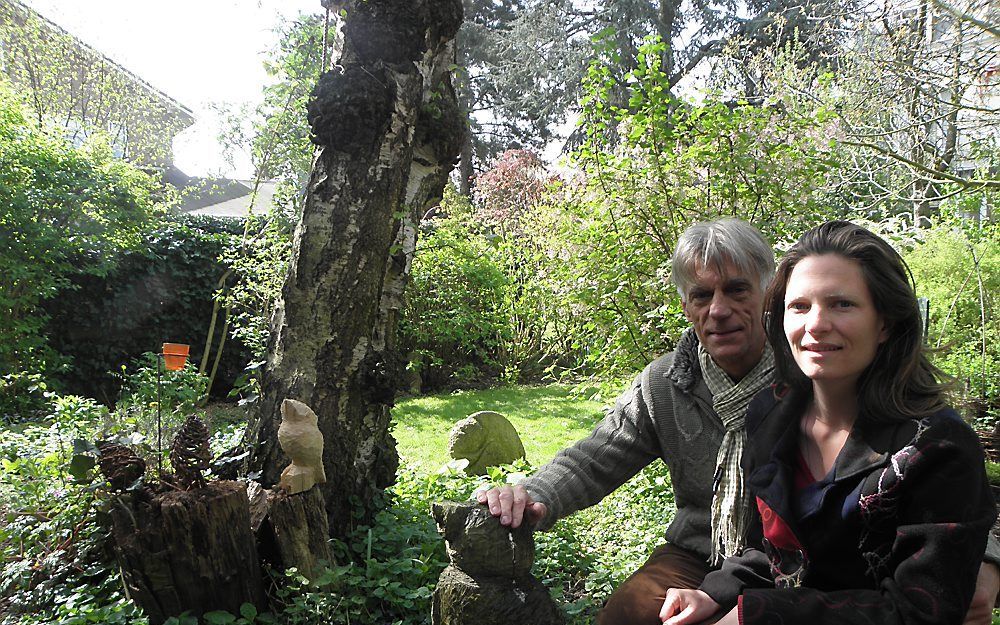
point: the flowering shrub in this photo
(508, 190)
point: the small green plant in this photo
(135, 417)
(54, 567)
(248, 616)
(180, 390)
(993, 472)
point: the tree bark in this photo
(388, 125)
(292, 530)
(188, 551)
(463, 89)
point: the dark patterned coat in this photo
(895, 533)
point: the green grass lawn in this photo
(585, 555)
(548, 419)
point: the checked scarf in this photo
(730, 509)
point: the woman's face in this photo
(830, 319)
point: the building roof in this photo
(221, 197)
(186, 114)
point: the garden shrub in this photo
(162, 291)
(452, 324)
(64, 213)
(487, 301)
(964, 319)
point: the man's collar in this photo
(686, 371)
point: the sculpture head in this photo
(297, 412)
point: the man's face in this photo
(725, 309)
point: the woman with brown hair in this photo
(872, 496)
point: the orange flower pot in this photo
(175, 356)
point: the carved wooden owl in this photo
(300, 438)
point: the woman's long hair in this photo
(900, 382)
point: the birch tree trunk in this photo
(387, 121)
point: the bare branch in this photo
(939, 176)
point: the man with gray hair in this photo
(686, 408)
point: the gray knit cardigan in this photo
(666, 413)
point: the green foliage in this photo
(64, 212)
(388, 570)
(956, 265)
(259, 261)
(248, 616)
(21, 393)
(54, 566)
(993, 472)
(518, 204)
(453, 319)
(487, 298)
(160, 292)
(180, 391)
(677, 162)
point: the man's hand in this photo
(987, 586)
(687, 606)
(512, 504)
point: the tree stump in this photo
(292, 530)
(488, 581)
(188, 551)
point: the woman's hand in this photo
(987, 584)
(686, 606)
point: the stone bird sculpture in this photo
(301, 440)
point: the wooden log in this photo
(188, 551)
(293, 530)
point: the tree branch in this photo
(938, 175)
(993, 29)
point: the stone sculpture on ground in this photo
(485, 439)
(301, 440)
(488, 580)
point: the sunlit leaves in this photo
(63, 212)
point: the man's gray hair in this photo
(715, 243)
